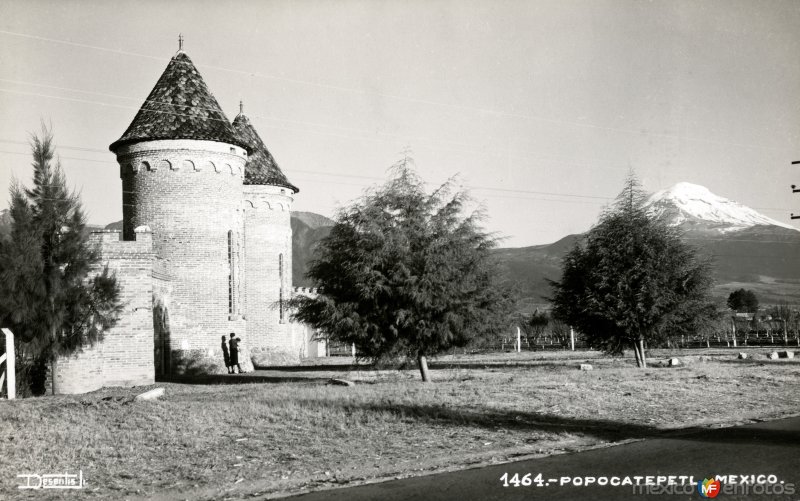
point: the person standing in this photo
(226, 356)
(234, 352)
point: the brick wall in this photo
(125, 355)
(189, 193)
(268, 248)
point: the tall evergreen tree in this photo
(53, 294)
(743, 301)
(632, 280)
(405, 274)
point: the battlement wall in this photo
(125, 355)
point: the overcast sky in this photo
(540, 106)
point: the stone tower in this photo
(182, 168)
(267, 200)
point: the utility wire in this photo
(521, 193)
(455, 106)
(480, 188)
(65, 158)
(153, 101)
(82, 45)
(485, 152)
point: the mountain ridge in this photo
(749, 250)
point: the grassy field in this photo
(237, 440)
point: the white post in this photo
(354, 349)
(11, 377)
(572, 338)
(734, 332)
(519, 341)
(785, 334)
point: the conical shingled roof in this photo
(261, 167)
(180, 106)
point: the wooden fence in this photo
(8, 375)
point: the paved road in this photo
(771, 448)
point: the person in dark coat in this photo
(234, 352)
(226, 356)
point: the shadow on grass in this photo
(315, 368)
(249, 378)
(443, 365)
(508, 420)
(773, 433)
(568, 364)
(761, 361)
(603, 429)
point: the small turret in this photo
(261, 168)
(268, 196)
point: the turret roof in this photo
(261, 167)
(180, 106)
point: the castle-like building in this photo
(205, 248)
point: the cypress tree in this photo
(633, 280)
(53, 293)
(406, 274)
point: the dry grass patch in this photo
(234, 440)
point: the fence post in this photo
(785, 334)
(11, 374)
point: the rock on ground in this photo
(151, 395)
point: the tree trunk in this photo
(641, 353)
(636, 354)
(423, 368)
(53, 376)
(53, 365)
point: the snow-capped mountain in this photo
(694, 207)
(749, 250)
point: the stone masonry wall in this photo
(189, 193)
(125, 355)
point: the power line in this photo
(569, 195)
(402, 98)
(60, 157)
(300, 122)
(82, 45)
(58, 146)
(742, 240)
(153, 101)
(484, 152)
(36, 94)
(537, 195)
